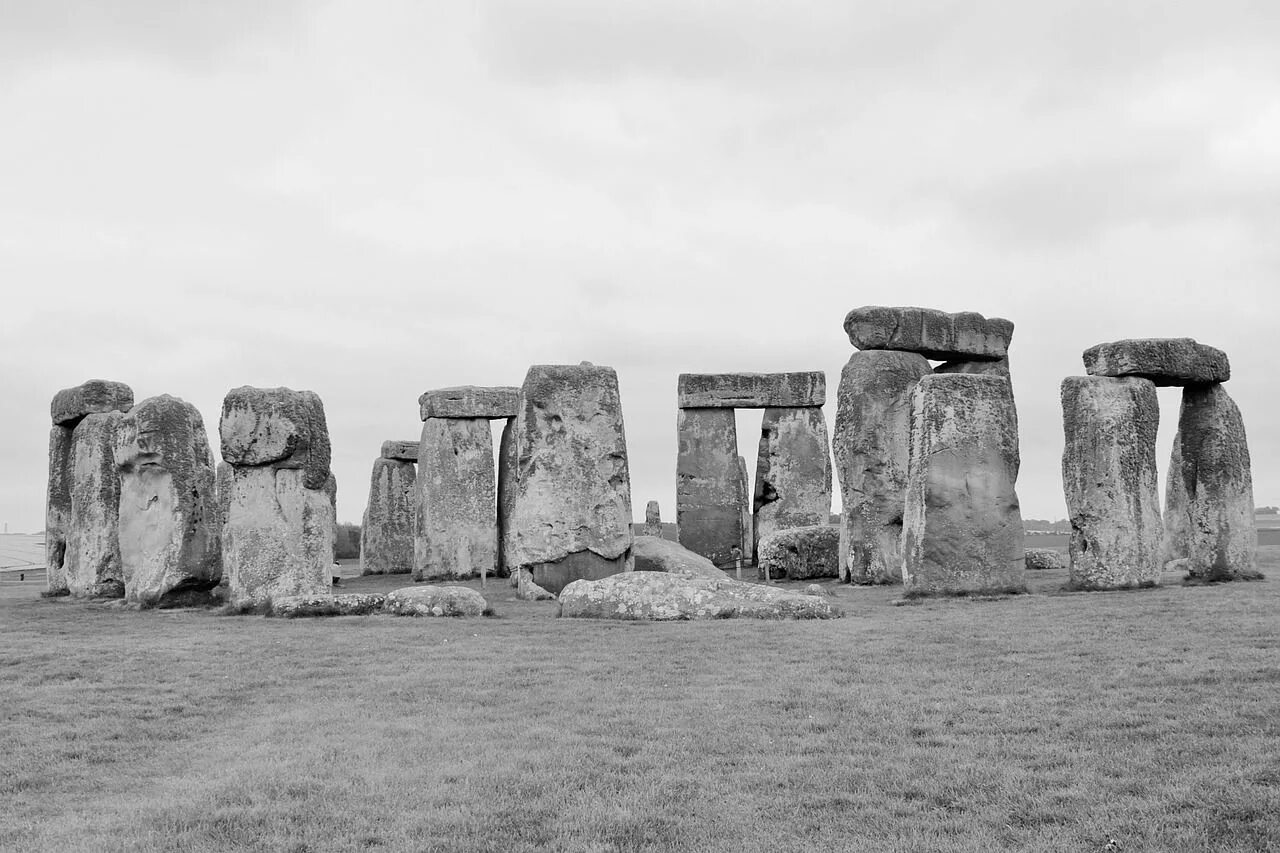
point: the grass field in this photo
(1144, 720)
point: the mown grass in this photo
(1045, 722)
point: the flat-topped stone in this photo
(751, 390)
(931, 333)
(276, 427)
(401, 451)
(97, 395)
(1165, 361)
(470, 401)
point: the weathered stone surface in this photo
(652, 519)
(655, 554)
(658, 596)
(456, 534)
(962, 528)
(401, 451)
(346, 604)
(793, 471)
(435, 601)
(223, 476)
(999, 367)
(1217, 480)
(570, 514)
(386, 536)
(507, 472)
(97, 395)
(92, 563)
(1165, 361)
(801, 552)
(278, 538)
(710, 491)
(527, 589)
(1044, 559)
(748, 519)
(751, 390)
(871, 444)
(170, 535)
(1109, 477)
(57, 516)
(279, 427)
(1177, 513)
(931, 333)
(470, 402)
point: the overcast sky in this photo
(372, 199)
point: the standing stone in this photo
(92, 563)
(507, 472)
(710, 500)
(224, 474)
(653, 520)
(744, 504)
(386, 534)
(1109, 477)
(57, 517)
(571, 512)
(962, 528)
(872, 444)
(456, 534)
(793, 471)
(1215, 469)
(278, 427)
(1177, 511)
(169, 528)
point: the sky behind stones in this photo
(372, 199)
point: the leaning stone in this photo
(751, 390)
(962, 528)
(279, 427)
(571, 509)
(456, 531)
(386, 536)
(1044, 559)
(435, 601)
(872, 442)
(1165, 361)
(656, 596)
(793, 471)
(710, 491)
(1109, 476)
(95, 396)
(1217, 478)
(401, 451)
(652, 519)
(170, 535)
(527, 589)
(346, 604)
(92, 563)
(57, 518)
(470, 402)
(801, 553)
(655, 554)
(931, 333)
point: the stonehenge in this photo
(386, 530)
(652, 519)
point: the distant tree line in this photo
(348, 545)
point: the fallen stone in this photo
(751, 390)
(933, 334)
(962, 528)
(95, 396)
(170, 532)
(346, 604)
(527, 589)
(57, 518)
(655, 554)
(401, 451)
(92, 560)
(793, 472)
(658, 596)
(1044, 559)
(710, 490)
(279, 427)
(456, 532)
(652, 519)
(470, 402)
(871, 444)
(801, 553)
(1165, 361)
(386, 536)
(435, 601)
(815, 589)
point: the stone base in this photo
(581, 565)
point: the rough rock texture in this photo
(279, 427)
(710, 491)
(386, 536)
(507, 471)
(999, 367)
(92, 560)
(793, 471)
(347, 604)
(1043, 559)
(470, 401)
(652, 519)
(655, 554)
(744, 503)
(571, 508)
(751, 390)
(1165, 361)
(1177, 516)
(170, 532)
(223, 475)
(801, 552)
(527, 589)
(456, 532)
(1109, 477)
(1222, 538)
(97, 395)
(962, 528)
(659, 596)
(931, 333)
(401, 451)
(435, 601)
(871, 445)
(57, 516)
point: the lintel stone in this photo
(404, 451)
(751, 390)
(470, 401)
(1165, 361)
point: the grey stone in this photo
(658, 596)
(507, 472)
(652, 519)
(456, 533)
(1177, 513)
(751, 390)
(223, 476)
(999, 367)
(95, 396)
(793, 472)
(872, 443)
(1044, 559)
(346, 604)
(744, 504)
(654, 554)
(57, 517)
(170, 532)
(962, 528)
(401, 451)
(710, 488)
(386, 534)
(279, 427)
(1109, 477)
(92, 560)
(1165, 361)
(470, 402)
(527, 589)
(435, 601)
(800, 553)
(931, 333)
